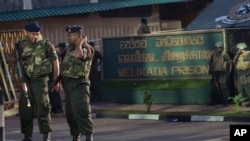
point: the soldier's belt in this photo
(218, 72)
(39, 76)
(74, 77)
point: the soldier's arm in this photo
(148, 29)
(79, 50)
(56, 69)
(52, 54)
(247, 57)
(139, 30)
(229, 62)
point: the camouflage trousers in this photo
(40, 107)
(221, 91)
(77, 106)
(243, 85)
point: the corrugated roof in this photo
(78, 9)
(218, 9)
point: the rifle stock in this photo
(216, 84)
(21, 75)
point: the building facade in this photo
(100, 18)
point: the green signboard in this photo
(169, 55)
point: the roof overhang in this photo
(79, 9)
(223, 14)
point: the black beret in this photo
(144, 19)
(74, 29)
(61, 45)
(33, 27)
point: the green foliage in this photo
(148, 101)
(157, 84)
(237, 101)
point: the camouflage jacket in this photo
(73, 67)
(37, 58)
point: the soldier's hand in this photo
(56, 88)
(81, 41)
(89, 53)
(78, 50)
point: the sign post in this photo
(2, 129)
(2, 134)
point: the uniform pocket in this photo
(38, 60)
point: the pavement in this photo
(167, 112)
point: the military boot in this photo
(27, 137)
(76, 137)
(46, 137)
(89, 137)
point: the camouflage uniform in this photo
(38, 59)
(76, 84)
(220, 72)
(144, 28)
(243, 71)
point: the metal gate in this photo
(9, 79)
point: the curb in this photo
(188, 118)
(170, 118)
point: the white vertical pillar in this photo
(2, 125)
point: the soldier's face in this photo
(240, 51)
(33, 36)
(72, 37)
(62, 50)
(219, 49)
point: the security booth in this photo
(173, 66)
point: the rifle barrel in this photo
(21, 75)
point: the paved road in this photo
(107, 129)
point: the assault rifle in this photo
(235, 59)
(216, 87)
(216, 93)
(215, 82)
(21, 75)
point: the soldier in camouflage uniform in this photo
(242, 62)
(38, 57)
(144, 28)
(75, 69)
(220, 68)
